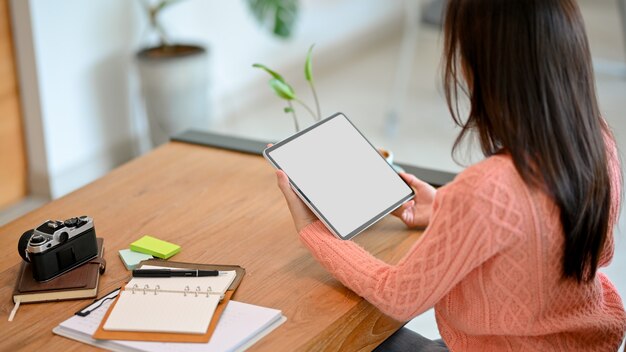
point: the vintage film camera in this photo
(56, 247)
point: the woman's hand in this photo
(416, 212)
(301, 214)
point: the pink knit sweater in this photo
(490, 264)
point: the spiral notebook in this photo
(182, 305)
(240, 326)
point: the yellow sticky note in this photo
(154, 246)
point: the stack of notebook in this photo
(240, 327)
(81, 282)
(184, 312)
(172, 309)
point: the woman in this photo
(511, 250)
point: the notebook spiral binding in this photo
(157, 289)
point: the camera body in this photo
(56, 247)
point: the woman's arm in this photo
(473, 219)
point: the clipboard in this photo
(102, 334)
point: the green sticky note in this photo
(154, 246)
(132, 258)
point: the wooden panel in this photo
(13, 177)
(222, 207)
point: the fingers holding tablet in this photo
(416, 213)
(301, 214)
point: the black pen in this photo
(173, 273)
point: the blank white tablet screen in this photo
(342, 175)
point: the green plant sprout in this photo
(284, 91)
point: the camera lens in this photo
(23, 243)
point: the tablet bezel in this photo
(303, 197)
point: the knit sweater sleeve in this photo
(473, 219)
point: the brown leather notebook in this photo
(175, 337)
(81, 282)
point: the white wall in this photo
(73, 60)
(81, 86)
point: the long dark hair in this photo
(526, 68)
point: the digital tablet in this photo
(339, 175)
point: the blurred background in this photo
(89, 85)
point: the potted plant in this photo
(174, 76)
(174, 80)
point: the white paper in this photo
(239, 325)
(162, 312)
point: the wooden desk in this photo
(222, 207)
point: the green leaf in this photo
(282, 89)
(288, 110)
(308, 66)
(278, 15)
(271, 72)
(285, 17)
